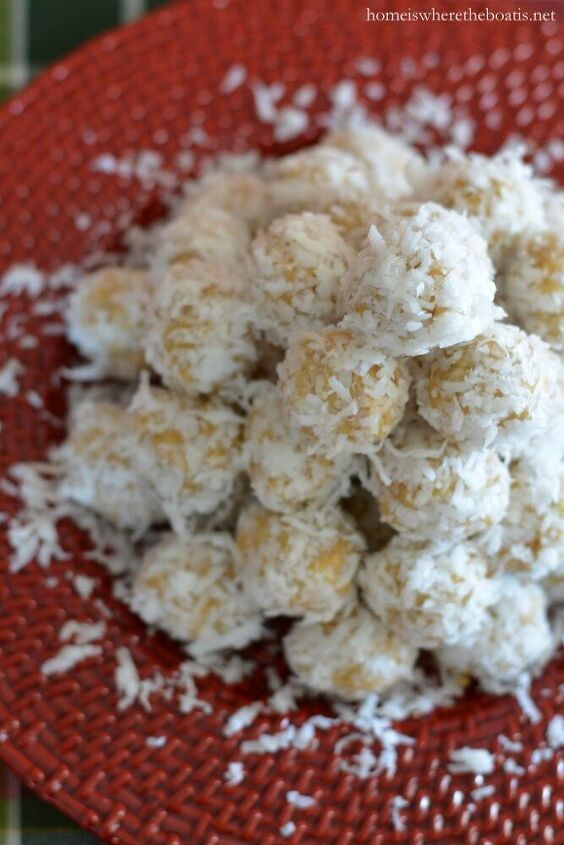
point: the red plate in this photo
(141, 87)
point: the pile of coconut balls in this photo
(340, 400)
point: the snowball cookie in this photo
(499, 195)
(241, 193)
(531, 536)
(99, 464)
(364, 509)
(423, 280)
(298, 264)
(201, 338)
(516, 637)
(429, 489)
(107, 319)
(352, 656)
(387, 159)
(190, 588)
(342, 390)
(429, 593)
(205, 232)
(298, 564)
(188, 450)
(533, 285)
(323, 179)
(493, 391)
(284, 475)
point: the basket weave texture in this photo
(139, 88)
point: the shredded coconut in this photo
(10, 374)
(478, 761)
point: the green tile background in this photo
(48, 29)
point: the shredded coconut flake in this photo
(478, 761)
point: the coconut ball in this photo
(530, 540)
(423, 280)
(100, 467)
(188, 450)
(387, 159)
(364, 509)
(299, 262)
(342, 390)
(298, 565)
(323, 179)
(284, 475)
(429, 593)
(241, 193)
(107, 319)
(428, 488)
(207, 233)
(515, 638)
(201, 337)
(493, 391)
(352, 656)
(533, 285)
(498, 194)
(190, 588)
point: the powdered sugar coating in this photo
(342, 390)
(491, 391)
(432, 489)
(284, 474)
(100, 468)
(296, 565)
(429, 593)
(352, 656)
(516, 637)
(190, 588)
(533, 284)
(201, 337)
(298, 264)
(423, 280)
(107, 319)
(187, 450)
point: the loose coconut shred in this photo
(335, 327)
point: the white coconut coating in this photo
(190, 588)
(530, 539)
(388, 160)
(533, 285)
(107, 319)
(516, 637)
(298, 264)
(298, 565)
(100, 467)
(493, 391)
(188, 450)
(431, 489)
(323, 179)
(351, 656)
(205, 232)
(429, 593)
(499, 195)
(241, 193)
(423, 280)
(201, 337)
(342, 390)
(284, 475)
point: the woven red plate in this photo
(140, 88)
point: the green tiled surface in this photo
(57, 26)
(34, 33)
